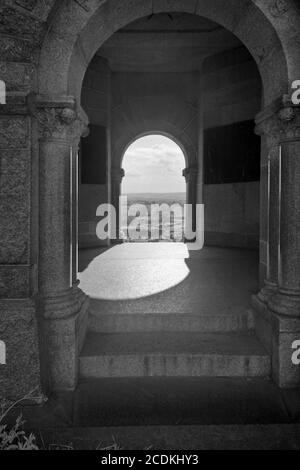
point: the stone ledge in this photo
(278, 333)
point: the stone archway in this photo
(77, 31)
(172, 130)
(190, 172)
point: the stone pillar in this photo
(191, 176)
(74, 189)
(117, 175)
(63, 305)
(278, 313)
(268, 129)
(287, 300)
(75, 198)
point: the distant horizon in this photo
(156, 193)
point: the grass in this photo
(15, 438)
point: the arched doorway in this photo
(57, 287)
(153, 177)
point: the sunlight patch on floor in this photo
(134, 271)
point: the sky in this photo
(154, 164)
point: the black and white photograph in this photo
(149, 229)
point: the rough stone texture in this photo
(17, 76)
(141, 322)
(15, 207)
(269, 29)
(286, 374)
(14, 132)
(173, 355)
(118, 14)
(278, 333)
(14, 282)
(19, 37)
(264, 225)
(18, 329)
(14, 23)
(14, 48)
(290, 216)
(63, 341)
(15, 164)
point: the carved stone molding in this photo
(15, 23)
(279, 8)
(63, 305)
(289, 118)
(58, 119)
(190, 173)
(279, 123)
(117, 175)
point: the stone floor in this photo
(156, 401)
(161, 310)
(166, 277)
(173, 413)
(155, 288)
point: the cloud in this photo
(131, 174)
(161, 159)
(154, 162)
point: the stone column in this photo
(287, 300)
(278, 317)
(267, 127)
(191, 176)
(117, 175)
(63, 305)
(75, 190)
(74, 187)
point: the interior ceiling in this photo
(172, 42)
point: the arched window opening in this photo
(153, 191)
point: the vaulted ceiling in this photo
(173, 42)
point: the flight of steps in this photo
(172, 345)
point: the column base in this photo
(64, 329)
(64, 304)
(278, 333)
(285, 303)
(267, 291)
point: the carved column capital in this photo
(58, 118)
(190, 173)
(117, 175)
(279, 122)
(289, 118)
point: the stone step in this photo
(167, 438)
(169, 322)
(173, 355)
(164, 401)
